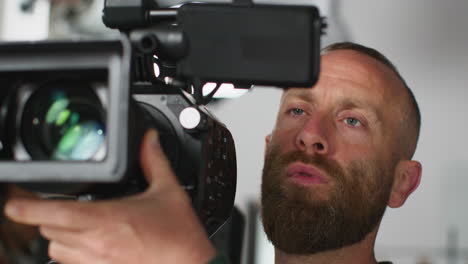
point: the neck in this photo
(359, 253)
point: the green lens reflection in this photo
(73, 131)
(80, 142)
(56, 110)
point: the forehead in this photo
(350, 75)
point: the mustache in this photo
(331, 167)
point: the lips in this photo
(304, 174)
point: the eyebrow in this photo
(354, 103)
(303, 95)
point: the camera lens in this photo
(64, 122)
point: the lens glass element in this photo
(68, 124)
(74, 134)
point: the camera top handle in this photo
(240, 43)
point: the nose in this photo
(313, 137)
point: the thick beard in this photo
(300, 222)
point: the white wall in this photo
(428, 41)
(18, 25)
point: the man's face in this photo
(330, 160)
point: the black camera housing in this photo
(203, 157)
(196, 43)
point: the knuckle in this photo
(102, 247)
(110, 243)
(44, 231)
(54, 251)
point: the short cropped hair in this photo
(411, 124)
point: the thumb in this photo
(155, 166)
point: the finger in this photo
(93, 243)
(63, 214)
(154, 163)
(67, 237)
(64, 254)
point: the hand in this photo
(156, 226)
(16, 238)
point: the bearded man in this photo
(340, 153)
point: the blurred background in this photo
(426, 39)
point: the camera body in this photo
(73, 113)
(94, 77)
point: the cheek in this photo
(350, 151)
(288, 123)
(284, 138)
(358, 136)
(353, 144)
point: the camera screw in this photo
(190, 118)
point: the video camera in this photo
(73, 113)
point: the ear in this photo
(267, 141)
(407, 179)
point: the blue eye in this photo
(352, 121)
(297, 111)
